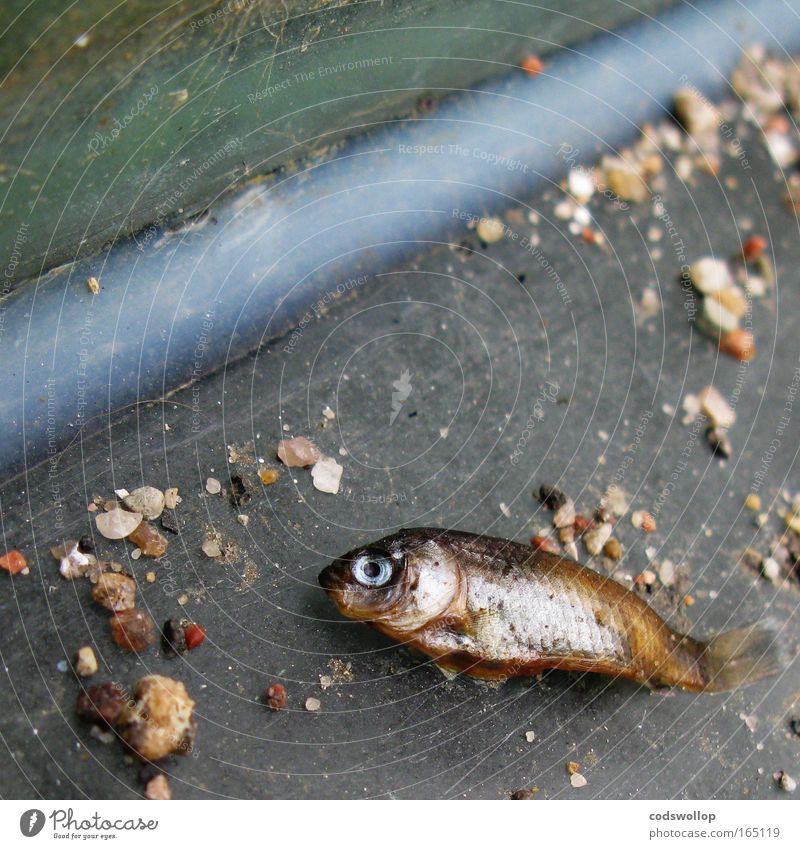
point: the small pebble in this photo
(710, 275)
(551, 496)
(532, 65)
(211, 546)
(117, 523)
(530, 736)
(716, 408)
(328, 413)
(115, 592)
(158, 720)
(148, 540)
(93, 285)
(544, 543)
(146, 500)
(150, 577)
(564, 517)
(786, 782)
(267, 476)
(243, 520)
(85, 662)
(752, 502)
(613, 549)
(770, 569)
(578, 780)
(327, 475)
(276, 697)
(753, 248)
(14, 563)
(313, 704)
(157, 789)
(298, 452)
(101, 703)
(213, 486)
(171, 498)
(738, 344)
(490, 230)
(595, 539)
(719, 441)
(133, 630)
(524, 794)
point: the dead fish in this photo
(495, 609)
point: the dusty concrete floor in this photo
(481, 348)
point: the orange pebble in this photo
(739, 344)
(533, 66)
(14, 562)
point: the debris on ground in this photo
(275, 696)
(595, 539)
(212, 545)
(213, 486)
(14, 563)
(133, 630)
(313, 704)
(171, 498)
(719, 441)
(524, 794)
(146, 500)
(298, 452)
(544, 543)
(490, 230)
(72, 562)
(101, 703)
(115, 591)
(753, 502)
(327, 475)
(117, 523)
(532, 65)
(530, 736)
(551, 496)
(93, 285)
(243, 519)
(158, 789)
(785, 781)
(714, 406)
(578, 780)
(85, 662)
(148, 540)
(182, 635)
(268, 476)
(158, 720)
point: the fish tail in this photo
(739, 657)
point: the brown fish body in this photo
(496, 609)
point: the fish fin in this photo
(447, 671)
(739, 657)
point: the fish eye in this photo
(372, 570)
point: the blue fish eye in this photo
(372, 570)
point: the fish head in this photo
(400, 583)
